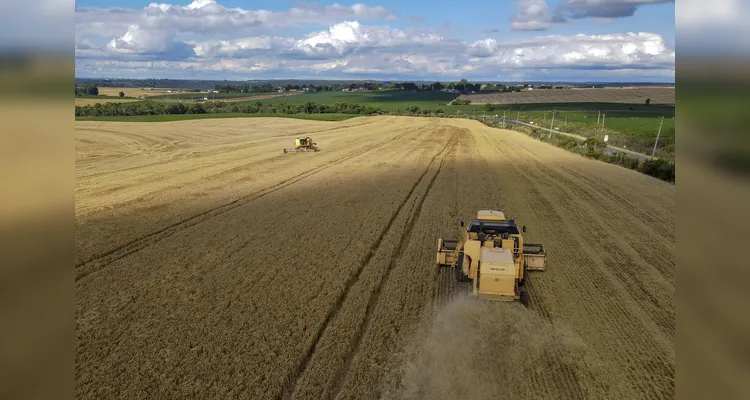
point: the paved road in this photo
(608, 149)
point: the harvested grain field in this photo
(87, 101)
(132, 92)
(658, 95)
(211, 265)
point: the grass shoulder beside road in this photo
(183, 117)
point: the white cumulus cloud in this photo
(532, 15)
(631, 50)
(207, 40)
(348, 36)
(210, 18)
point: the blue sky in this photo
(513, 40)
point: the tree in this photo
(122, 94)
(437, 86)
(198, 109)
(177, 108)
(92, 90)
(594, 143)
(489, 107)
(409, 86)
(648, 101)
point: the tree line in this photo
(155, 108)
(462, 86)
(87, 90)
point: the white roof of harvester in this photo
(491, 215)
(497, 261)
(496, 255)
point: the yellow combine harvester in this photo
(492, 254)
(303, 144)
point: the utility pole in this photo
(504, 118)
(603, 116)
(598, 116)
(518, 118)
(552, 125)
(657, 138)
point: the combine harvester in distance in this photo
(303, 145)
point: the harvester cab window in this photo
(493, 228)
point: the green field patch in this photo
(199, 95)
(389, 100)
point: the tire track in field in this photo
(98, 262)
(269, 275)
(291, 385)
(445, 285)
(220, 150)
(629, 345)
(651, 295)
(558, 375)
(403, 244)
(640, 212)
(560, 378)
(186, 156)
(654, 364)
(597, 229)
(656, 252)
(258, 158)
(611, 201)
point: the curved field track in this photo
(211, 265)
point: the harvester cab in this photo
(303, 144)
(492, 254)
